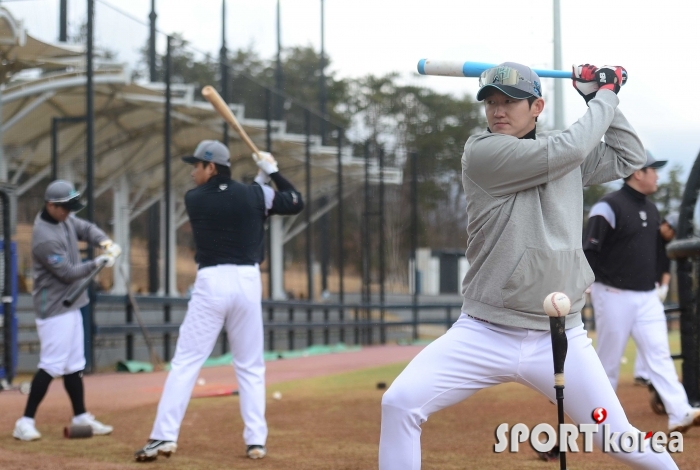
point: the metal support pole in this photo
(309, 233)
(63, 21)
(322, 100)
(341, 251)
(54, 149)
(8, 327)
(558, 85)
(325, 246)
(129, 337)
(414, 238)
(268, 120)
(279, 75)
(167, 191)
(55, 123)
(88, 319)
(382, 267)
(152, 43)
(365, 247)
(270, 238)
(224, 68)
(153, 218)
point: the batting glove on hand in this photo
(266, 163)
(584, 80)
(611, 77)
(111, 248)
(662, 291)
(107, 260)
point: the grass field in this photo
(331, 422)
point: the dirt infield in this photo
(322, 421)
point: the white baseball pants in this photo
(621, 313)
(224, 296)
(473, 355)
(62, 343)
(640, 368)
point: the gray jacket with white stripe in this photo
(56, 263)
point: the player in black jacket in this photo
(227, 220)
(621, 245)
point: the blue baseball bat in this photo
(448, 68)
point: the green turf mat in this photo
(134, 366)
(226, 359)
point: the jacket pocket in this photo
(541, 272)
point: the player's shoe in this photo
(256, 452)
(641, 381)
(87, 419)
(25, 430)
(691, 418)
(154, 447)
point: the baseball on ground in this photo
(557, 304)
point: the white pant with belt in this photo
(474, 355)
(620, 314)
(224, 296)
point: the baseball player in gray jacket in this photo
(524, 195)
(57, 268)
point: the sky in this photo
(651, 39)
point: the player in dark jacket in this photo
(227, 219)
(621, 247)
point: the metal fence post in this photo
(341, 251)
(167, 189)
(414, 238)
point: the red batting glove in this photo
(584, 80)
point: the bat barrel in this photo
(448, 68)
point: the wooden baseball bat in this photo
(216, 393)
(212, 96)
(75, 293)
(155, 358)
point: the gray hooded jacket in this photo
(56, 262)
(525, 213)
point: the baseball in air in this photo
(557, 304)
(201, 381)
(277, 395)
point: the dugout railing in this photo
(319, 322)
(293, 325)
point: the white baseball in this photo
(277, 395)
(557, 304)
(201, 381)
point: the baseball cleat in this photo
(691, 418)
(25, 430)
(657, 405)
(641, 381)
(154, 447)
(256, 452)
(87, 419)
(550, 456)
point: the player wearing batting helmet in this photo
(621, 244)
(524, 194)
(227, 219)
(57, 269)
